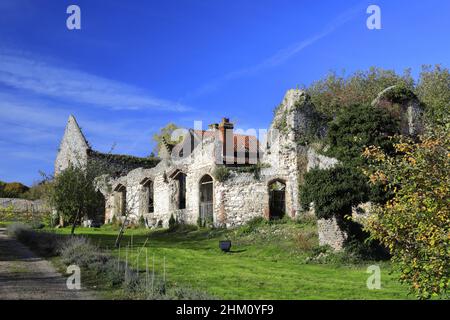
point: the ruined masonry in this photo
(262, 177)
(216, 176)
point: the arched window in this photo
(206, 188)
(181, 177)
(120, 197)
(148, 187)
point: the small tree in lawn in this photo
(73, 194)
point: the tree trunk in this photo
(121, 231)
(75, 222)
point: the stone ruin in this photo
(260, 177)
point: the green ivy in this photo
(334, 191)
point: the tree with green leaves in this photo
(433, 90)
(415, 223)
(165, 134)
(336, 190)
(12, 190)
(356, 127)
(335, 91)
(74, 195)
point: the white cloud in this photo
(34, 75)
(28, 122)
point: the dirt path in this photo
(23, 275)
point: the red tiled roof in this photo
(241, 142)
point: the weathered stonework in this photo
(183, 183)
(331, 234)
(241, 197)
(73, 148)
(24, 206)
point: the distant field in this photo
(262, 265)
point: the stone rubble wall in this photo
(319, 161)
(195, 166)
(239, 199)
(331, 234)
(282, 152)
(24, 206)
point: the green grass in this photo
(5, 224)
(265, 263)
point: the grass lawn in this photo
(268, 265)
(5, 224)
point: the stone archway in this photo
(120, 200)
(277, 199)
(206, 194)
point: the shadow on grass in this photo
(236, 251)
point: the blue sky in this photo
(137, 65)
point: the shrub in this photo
(200, 222)
(356, 127)
(108, 271)
(433, 90)
(45, 244)
(142, 222)
(334, 191)
(172, 223)
(252, 225)
(306, 219)
(305, 240)
(37, 225)
(17, 228)
(79, 251)
(221, 173)
(187, 293)
(334, 92)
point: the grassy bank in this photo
(267, 262)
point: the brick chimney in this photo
(226, 131)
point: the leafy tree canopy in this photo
(73, 194)
(165, 133)
(433, 89)
(358, 126)
(415, 223)
(12, 189)
(334, 191)
(335, 91)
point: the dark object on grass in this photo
(225, 245)
(96, 225)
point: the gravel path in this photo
(23, 275)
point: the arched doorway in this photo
(148, 203)
(206, 189)
(277, 199)
(120, 200)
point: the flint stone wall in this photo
(331, 234)
(24, 206)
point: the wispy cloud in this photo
(30, 122)
(282, 55)
(36, 76)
